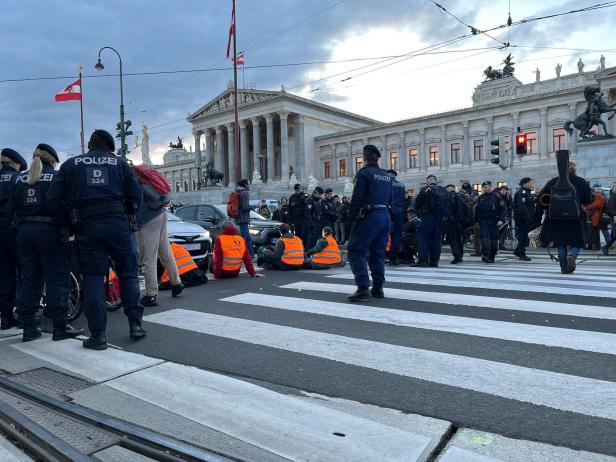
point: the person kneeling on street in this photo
(191, 273)
(287, 255)
(325, 254)
(230, 250)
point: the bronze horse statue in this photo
(211, 175)
(591, 117)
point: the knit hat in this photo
(48, 149)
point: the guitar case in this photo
(564, 203)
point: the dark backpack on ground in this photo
(564, 203)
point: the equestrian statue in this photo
(211, 175)
(591, 117)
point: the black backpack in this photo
(464, 210)
(564, 203)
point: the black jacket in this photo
(297, 208)
(524, 208)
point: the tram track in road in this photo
(53, 430)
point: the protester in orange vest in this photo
(230, 250)
(288, 253)
(325, 253)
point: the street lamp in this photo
(99, 67)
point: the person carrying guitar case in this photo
(565, 222)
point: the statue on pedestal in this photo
(145, 147)
(348, 186)
(507, 71)
(256, 177)
(178, 145)
(211, 175)
(312, 183)
(559, 68)
(580, 66)
(602, 62)
(293, 180)
(537, 75)
(592, 116)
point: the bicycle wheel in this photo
(75, 302)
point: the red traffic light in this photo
(520, 143)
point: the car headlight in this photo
(204, 235)
(254, 232)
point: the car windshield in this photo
(172, 217)
(222, 208)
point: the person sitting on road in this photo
(230, 250)
(287, 255)
(325, 254)
(191, 273)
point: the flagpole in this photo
(83, 145)
(237, 118)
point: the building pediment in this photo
(225, 101)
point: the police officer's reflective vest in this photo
(293, 251)
(330, 255)
(233, 249)
(183, 261)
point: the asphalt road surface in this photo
(511, 348)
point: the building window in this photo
(455, 153)
(342, 170)
(558, 139)
(477, 187)
(177, 186)
(531, 143)
(478, 150)
(393, 160)
(500, 183)
(413, 158)
(433, 157)
(194, 185)
(359, 163)
(327, 169)
(185, 185)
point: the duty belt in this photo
(89, 212)
(37, 219)
(379, 206)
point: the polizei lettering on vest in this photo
(382, 177)
(96, 160)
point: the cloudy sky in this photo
(43, 39)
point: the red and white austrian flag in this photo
(240, 59)
(70, 93)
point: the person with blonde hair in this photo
(11, 163)
(43, 252)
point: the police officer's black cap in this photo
(525, 180)
(371, 148)
(328, 190)
(104, 136)
(15, 157)
(450, 185)
(392, 171)
(297, 187)
(48, 149)
(431, 176)
(486, 183)
(318, 189)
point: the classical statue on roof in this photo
(591, 117)
(178, 145)
(507, 70)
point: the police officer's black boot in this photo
(97, 341)
(62, 331)
(362, 294)
(377, 292)
(177, 289)
(524, 257)
(136, 329)
(31, 332)
(7, 321)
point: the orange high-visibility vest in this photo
(293, 251)
(330, 255)
(183, 261)
(233, 249)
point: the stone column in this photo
(544, 139)
(256, 143)
(300, 148)
(231, 154)
(423, 154)
(244, 164)
(209, 151)
(443, 148)
(198, 157)
(384, 152)
(487, 147)
(573, 138)
(402, 154)
(349, 156)
(284, 145)
(220, 146)
(269, 122)
(466, 152)
(334, 164)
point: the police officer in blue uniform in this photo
(315, 210)
(369, 209)
(398, 208)
(101, 195)
(11, 164)
(490, 213)
(42, 248)
(433, 206)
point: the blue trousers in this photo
(431, 233)
(563, 252)
(44, 263)
(246, 235)
(8, 270)
(489, 238)
(397, 219)
(366, 248)
(98, 241)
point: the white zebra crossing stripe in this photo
(493, 285)
(550, 336)
(554, 268)
(503, 277)
(566, 392)
(565, 309)
(286, 425)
